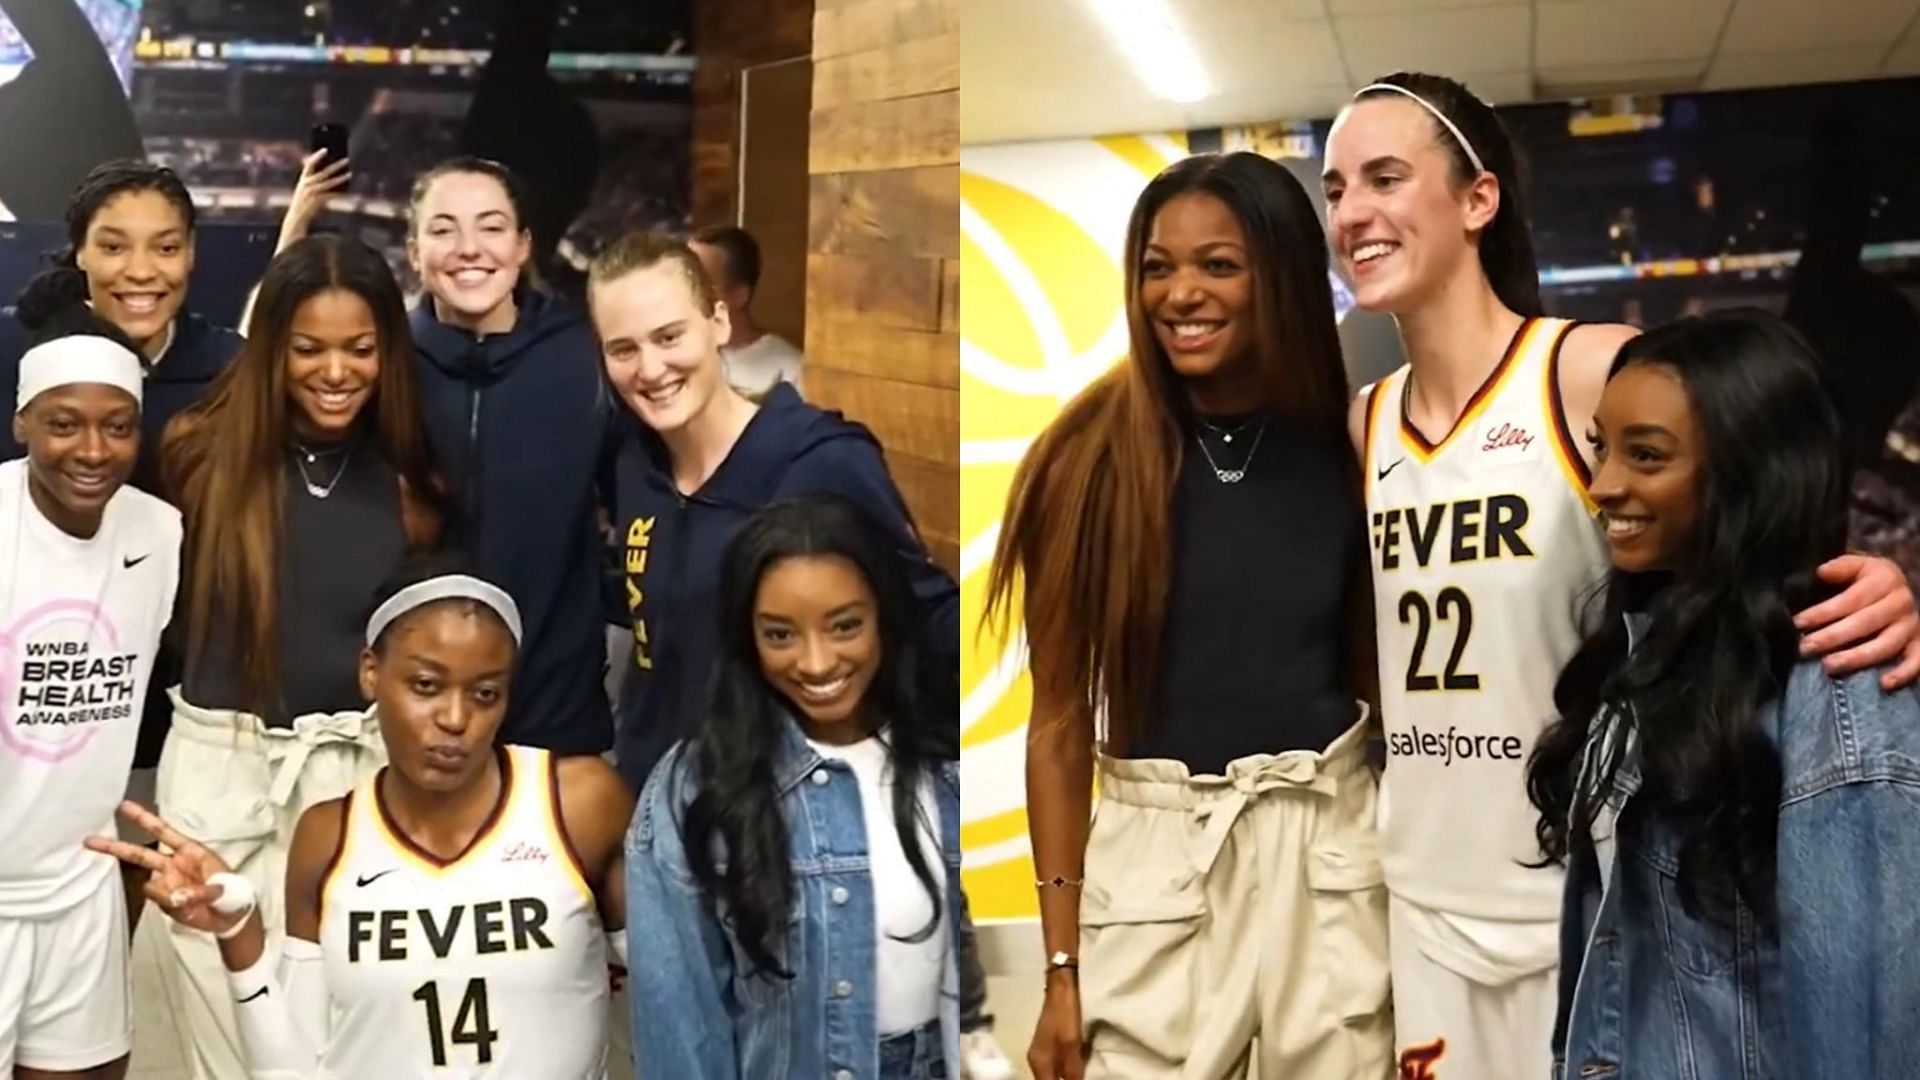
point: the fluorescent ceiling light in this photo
(1160, 53)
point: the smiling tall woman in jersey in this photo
(446, 913)
(1486, 540)
(1188, 538)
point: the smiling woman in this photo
(304, 477)
(1155, 538)
(701, 461)
(90, 567)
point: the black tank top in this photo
(335, 552)
(1253, 654)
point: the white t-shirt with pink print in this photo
(80, 621)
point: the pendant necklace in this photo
(1232, 476)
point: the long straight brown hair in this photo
(224, 461)
(1086, 529)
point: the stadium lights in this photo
(1160, 53)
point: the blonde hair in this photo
(638, 251)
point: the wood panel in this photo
(863, 25)
(774, 182)
(916, 356)
(897, 292)
(729, 35)
(950, 295)
(911, 211)
(896, 134)
(933, 480)
(884, 242)
(907, 417)
(917, 67)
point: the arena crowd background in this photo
(225, 92)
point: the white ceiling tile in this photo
(1457, 43)
(1503, 88)
(1905, 58)
(1805, 25)
(1401, 7)
(1740, 70)
(1597, 80)
(1625, 31)
(1271, 52)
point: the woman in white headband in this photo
(1484, 544)
(88, 571)
(448, 912)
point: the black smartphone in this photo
(329, 137)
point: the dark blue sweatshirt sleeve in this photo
(853, 469)
(13, 343)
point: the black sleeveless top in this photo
(1254, 647)
(335, 553)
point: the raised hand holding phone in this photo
(324, 172)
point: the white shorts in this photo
(65, 986)
(1452, 1025)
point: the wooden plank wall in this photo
(883, 250)
(727, 36)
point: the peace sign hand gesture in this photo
(179, 882)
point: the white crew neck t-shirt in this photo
(80, 621)
(909, 973)
(753, 369)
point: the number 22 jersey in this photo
(493, 964)
(1484, 549)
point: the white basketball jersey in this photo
(491, 965)
(1485, 548)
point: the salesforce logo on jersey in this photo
(1454, 745)
(62, 676)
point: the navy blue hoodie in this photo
(199, 351)
(518, 423)
(673, 546)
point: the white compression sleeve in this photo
(281, 1005)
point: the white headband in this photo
(77, 358)
(445, 587)
(1437, 115)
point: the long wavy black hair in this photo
(733, 755)
(1720, 641)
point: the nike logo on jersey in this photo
(257, 994)
(128, 562)
(369, 879)
(1390, 468)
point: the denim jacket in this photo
(696, 1011)
(1647, 993)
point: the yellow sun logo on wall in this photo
(1041, 231)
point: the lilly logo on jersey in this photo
(524, 853)
(1506, 435)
